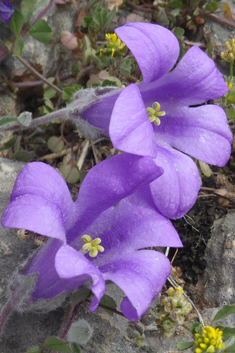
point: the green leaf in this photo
(19, 45)
(16, 22)
(56, 344)
(108, 302)
(8, 144)
(109, 83)
(41, 31)
(75, 348)
(35, 350)
(23, 156)
(86, 21)
(227, 331)
(109, 17)
(230, 349)
(195, 327)
(184, 345)
(31, 8)
(230, 114)
(212, 6)
(178, 32)
(224, 312)
(55, 144)
(49, 93)
(80, 296)
(7, 121)
(80, 332)
(69, 91)
(25, 118)
(176, 4)
(69, 173)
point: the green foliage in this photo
(7, 121)
(41, 31)
(25, 118)
(212, 6)
(75, 348)
(70, 173)
(69, 91)
(16, 22)
(184, 345)
(228, 332)
(58, 345)
(224, 312)
(19, 46)
(108, 302)
(80, 296)
(99, 18)
(55, 144)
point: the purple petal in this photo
(155, 48)
(40, 179)
(141, 275)
(195, 80)
(176, 191)
(71, 263)
(201, 132)
(6, 11)
(132, 225)
(109, 182)
(49, 284)
(35, 213)
(130, 129)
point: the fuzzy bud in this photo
(68, 40)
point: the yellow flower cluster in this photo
(209, 340)
(113, 43)
(229, 54)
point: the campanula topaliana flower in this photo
(163, 117)
(100, 236)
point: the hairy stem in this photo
(39, 121)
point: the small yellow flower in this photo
(229, 54)
(113, 44)
(209, 340)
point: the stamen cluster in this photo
(209, 340)
(91, 246)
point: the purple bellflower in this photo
(92, 238)
(6, 10)
(163, 116)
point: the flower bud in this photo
(68, 40)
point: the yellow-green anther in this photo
(154, 113)
(91, 246)
(86, 239)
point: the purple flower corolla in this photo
(199, 131)
(41, 202)
(6, 10)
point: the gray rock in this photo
(50, 56)
(219, 278)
